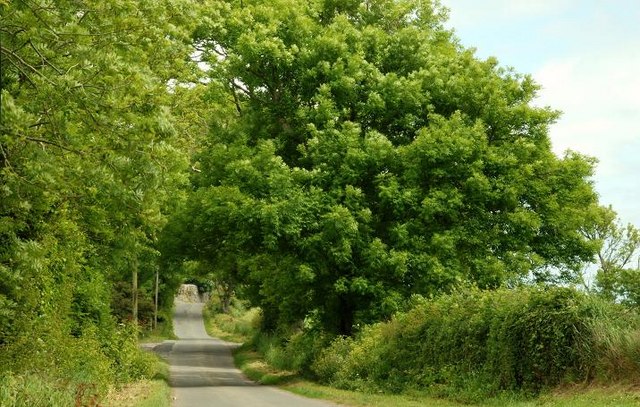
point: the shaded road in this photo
(203, 374)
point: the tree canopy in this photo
(90, 167)
(366, 156)
(330, 161)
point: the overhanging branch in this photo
(52, 143)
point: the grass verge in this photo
(255, 368)
(143, 393)
(153, 392)
(240, 326)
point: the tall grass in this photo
(56, 368)
(614, 345)
(34, 391)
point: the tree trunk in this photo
(155, 303)
(225, 293)
(345, 316)
(134, 296)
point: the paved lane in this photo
(203, 374)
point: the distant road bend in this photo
(203, 373)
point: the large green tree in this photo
(368, 157)
(89, 167)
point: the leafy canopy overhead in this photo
(368, 157)
(89, 169)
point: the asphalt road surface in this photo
(203, 374)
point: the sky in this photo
(586, 56)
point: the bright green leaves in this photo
(338, 230)
(375, 158)
(446, 152)
(89, 168)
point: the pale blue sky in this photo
(586, 56)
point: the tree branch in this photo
(5, 159)
(244, 90)
(45, 60)
(39, 140)
(23, 73)
(236, 101)
(23, 62)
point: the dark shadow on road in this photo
(201, 363)
(193, 379)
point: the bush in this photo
(331, 360)
(294, 352)
(53, 367)
(129, 363)
(474, 344)
(240, 324)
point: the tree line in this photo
(325, 160)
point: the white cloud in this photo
(600, 98)
(529, 8)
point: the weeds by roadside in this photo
(238, 326)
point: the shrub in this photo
(294, 352)
(331, 360)
(474, 344)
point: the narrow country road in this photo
(203, 374)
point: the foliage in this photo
(59, 367)
(347, 156)
(33, 390)
(146, 393)
(614, 346)
(581, 395)
(154, 392)
(610, 353)
(44, 390)
(295, 352)
(89, 171)
(363, 156)
(578, 396)
(475, 344)
(238, 324)
(618, 257)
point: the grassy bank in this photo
(42, 390)
(238, 326)
(143, 393)
(153, 392)
(507, 347)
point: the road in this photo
(203, 373)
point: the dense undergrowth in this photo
(470, 346)
(58, 370)
(240, 324)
